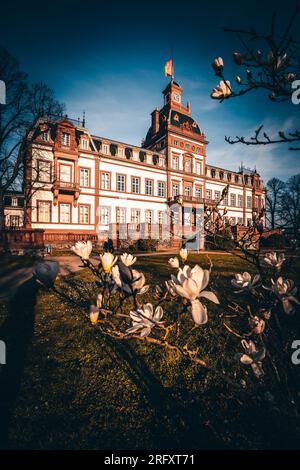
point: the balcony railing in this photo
(180, 199)
(66, 186)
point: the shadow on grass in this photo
(17, 332)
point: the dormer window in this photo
(65, 139)
(14, 201)
(45, 136)
(85, 144)
(176, 117)
(105, 149)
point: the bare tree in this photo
(25, 104)
(273, 201)
(290, 205)
(269, 61)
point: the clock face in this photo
(176, 97)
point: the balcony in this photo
(182, 199)
(65, 187)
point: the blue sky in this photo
(108, 60)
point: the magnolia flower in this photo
(132, 283)
(83, 249)
(252, 357)
(238, 58)
(108, 260)
(238, 79)
(145, 319)
(174, 262)
(128, 259)
(190, 284)
(46, 272)
(223, 90)
(183, 253)
(257, 325)
(285, 291)
(218, 65)
(94, 314)
(158, 292)
(271, 259)
(245, 282)
(169, 285)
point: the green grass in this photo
(69, 387)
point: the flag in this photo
(169, 68)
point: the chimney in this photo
(155, 121)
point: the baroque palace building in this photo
(92, 186)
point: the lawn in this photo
(66, 386)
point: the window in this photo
(121, 152)
(209, 194)
(240, 200)
(45, 136)
(106, 149)
(14, 201)
(217, 196)
(85, 144)
(161, 188)
(188, 165)
(198, 193)
(84, 214)
(175, 163)
(84, 176)
(65, 173)
(198, 168)
(44, 211)
(121, 179)
(65, 139)
(161, 161)
(236, 179)
(121, 215)
(148, 216)
(249, 222)
(104, 215)
(175, 189)
(135, 185)
(43, 171)
(240, 220)
(187, 190)
(249, 202)
(225, 200)
(135, 216)
(14, 221)
(149, 187)
(64, 213)
(105, 181)
(161, 217)
(175, 142)
(187, 146)
(232, 220)
(232, 199)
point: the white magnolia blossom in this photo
(252, 357)
(245, 282)
(99, 300)
(218, 65)
(174, 262)
(137, 284)
(183, 253)
(94, 314)
(128, 259)
(145, 319)
(257, 325)
(108, 260)
(285, 291)
(83, 249)
(190, 284)
(46, 272)
(223, 90)
(271, 259)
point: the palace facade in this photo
(87, 185)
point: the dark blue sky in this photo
(108, 60)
